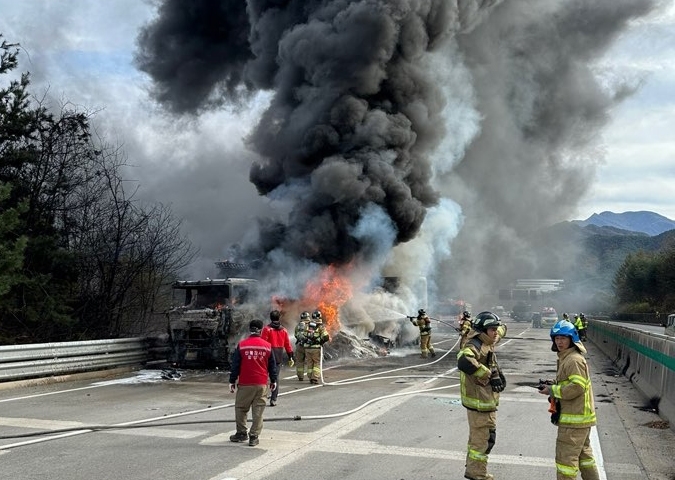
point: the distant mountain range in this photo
(587, 254)
(645, 222)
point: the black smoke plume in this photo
(353, 118)
(386, 109)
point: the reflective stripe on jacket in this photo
(300, 331)
(316, 338)
(574, 391)
(424, 325)
(474, 376)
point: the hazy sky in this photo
(81, 51)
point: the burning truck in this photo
(213, 314)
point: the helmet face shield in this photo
(485, 320)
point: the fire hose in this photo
(159, 422)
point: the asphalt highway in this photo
(395, 417)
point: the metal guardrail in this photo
(18, 362)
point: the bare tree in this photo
(128, 250)
(93, 257)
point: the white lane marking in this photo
(49, 393)
(43, 439)
(142, 376)
(160, 432)
(38, 423)
(288, 446)
(136, 422)
(440, 375)
(597, 453)
(265, 466)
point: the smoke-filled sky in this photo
(394, 134)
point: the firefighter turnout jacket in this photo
(300, 331)
(423, 323)
(578, 323)
(573, 390)
(476, 363)
(315, 336)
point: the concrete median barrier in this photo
(647, 359)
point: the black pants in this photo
(275, 393)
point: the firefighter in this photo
(481, 381)
(315, 337)
(574, 408)
(277, 335)
(580, 325)
(300, 333)
(464, 327)
(423, 322)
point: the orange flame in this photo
(328, 292)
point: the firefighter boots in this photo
(239, 437)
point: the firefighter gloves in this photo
(497, 381)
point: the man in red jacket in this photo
(277, 335)
(252, 364)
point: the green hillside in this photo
(587, 257)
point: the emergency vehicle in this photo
(549, 317)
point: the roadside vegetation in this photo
(81, 257)
(645, 282)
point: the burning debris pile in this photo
(348, 345)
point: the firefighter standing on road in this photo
(252, 364)
(423, 322)
(314, 339)
(300, 333)
(574, 412)
(580, 325)
(481, 381)
(277, 335)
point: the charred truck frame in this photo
(209, 321)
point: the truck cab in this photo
(522, 312)
(213, 312)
